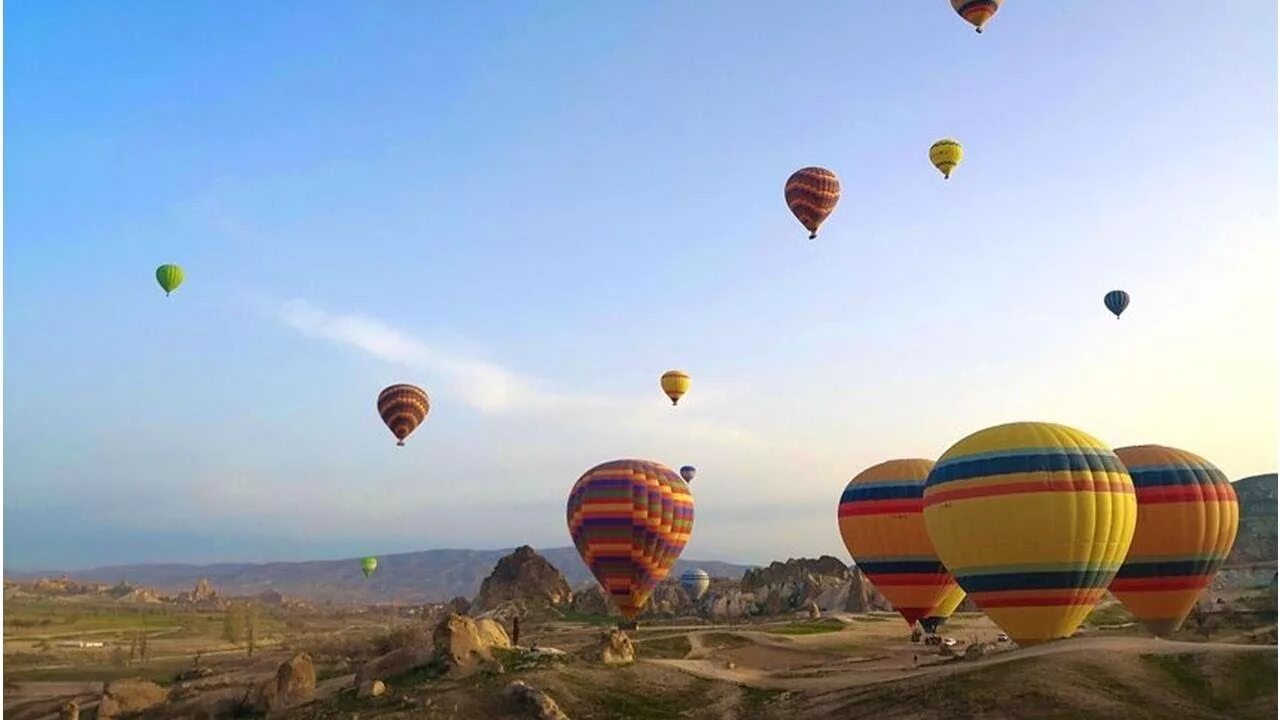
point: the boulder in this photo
(525, 577)
(536, 703)
(613, 648)
(131, 695)
(396, 662)
(69, 710)
(293, 685)
(370, 689)
(464, 648)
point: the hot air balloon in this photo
(938, 616)
(675, 383)
(630, 519)
(695, 582)
(883, 530)
(812, 193)
(368, 565)
(1116, 301)
(1033, 519)
(976, 12)
(1187, 522)
(169, 277)
(945, 155)
(403, 407)
(688, 472)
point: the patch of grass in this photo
(616, 703)
(870, 618)
(724, 641)
(755, 699)
(433, 670)
(1254, 675)
(159, 674)
(1186, 674)
(668, 647)
(1113, 614)
(588, 618)
(807, 628)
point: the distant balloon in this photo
(1187, 521)
(368, 565)
(945, 155)
(938, 616)
(1033, 519)
(169, 277)
(695, 582)
(1116, 301)
(688, 472)
(812, 194)
(883, 529)
(675, 383)
(630, 520)
(976, 12)
(403, 407)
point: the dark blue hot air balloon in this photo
(688, 472)
(1116, 301)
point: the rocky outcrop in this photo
(69, 710)
(592, 601)
(460, 605)
(293, 685)
(395, 663)
(613, 647)
(1256, 538)
(465, 646)
(534, 702)
(798, 584)
(270, 597)
(523, 577)
(131, 695)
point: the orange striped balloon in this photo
(976, 12)
(630, 520)
(1187, 522)
(812, 194)
(882, 524)
(403, 407)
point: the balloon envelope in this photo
(976, 12)
(938, 616)
(675, 383)
(169, 277)
(368, 565)
(695, 582)
(812, 194)
(403, 407)
(945, 155)
(1116, 301)
(688, 472)
(630, 520)
(1187, 521)
(883, 529)
(1033, 520)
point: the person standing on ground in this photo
(515, 631)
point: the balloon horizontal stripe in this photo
(882, 491)
(1179, 475)
(1173, 568)
(1074, 579)
(1162, 584)
(1187, 493)
(882, 567)
(1053, 599)
(1026, 488)
(1022, 462)
(886, 581)
(881, 507)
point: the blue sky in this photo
(533, 209)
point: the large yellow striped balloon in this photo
(883, 530)
(1187, 522)
(1033, 519)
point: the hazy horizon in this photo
(533, 212)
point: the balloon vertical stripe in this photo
(812, 194)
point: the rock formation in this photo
(465, 645)
(293, 685)
(798, 583)
(370, 689)
(69, 710)
(396, 662)
(536, 703)
(525, 578)
(460, 605)
(132, 695)
(612, 648)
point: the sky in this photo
(532, 210)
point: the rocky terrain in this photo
(1252, 563)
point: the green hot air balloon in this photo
(368, 565)
(169, 277)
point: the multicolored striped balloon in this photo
(812, 194)
(403, 407)
(630, 520)
(1187, 522)
(1033, 519)
(883, 529)
(976, 12)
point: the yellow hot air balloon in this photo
(675, 383)
(883, 530)
(1033, 519)
(945, 155)
(1187, 521)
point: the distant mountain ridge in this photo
(412, 577)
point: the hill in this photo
(1252, 563)
(414, 577)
